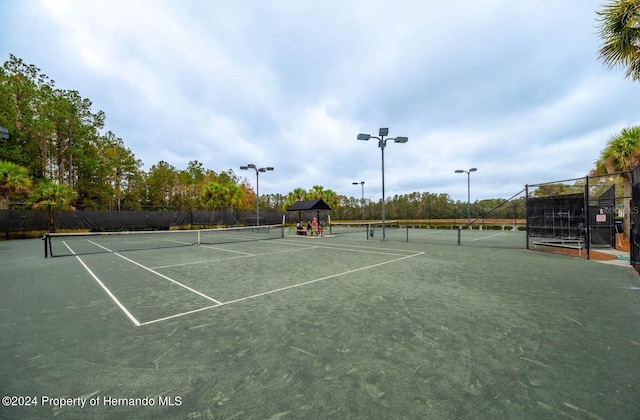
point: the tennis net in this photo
(364, 228)
(65, 244)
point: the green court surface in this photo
(338, 327)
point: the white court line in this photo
(231, 258)
(284, 288)
(337, 248)
(304, 248)
(111, 295)
(170, 279)
(218, 303)
(227, 250)
(200, 262)
(178, 315)
(346, 246)
(115, 299)
(490, 236)
(360, 248)
(160, 275)
(430, 232)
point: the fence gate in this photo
(602, 218)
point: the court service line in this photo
(320, 279)
(158, 274)
(293, 286)
(230, 258)
(107, 291)
(288, 250)
(111, 295)
(235, 257)
(166, 318)
(360, 248)
(169, 278)
(227, 250)
(489, 236)
(327, 245)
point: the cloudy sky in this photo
(512, 88)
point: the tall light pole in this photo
(382, 143)
(258, 170)
(459, 171)
(361, 201)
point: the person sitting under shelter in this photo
(299, 229)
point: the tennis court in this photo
(463, 237)
(316, 327)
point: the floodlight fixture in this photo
(382, 143)
(361, 183)
(460, 171)
(258, 170)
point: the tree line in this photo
(56, 136)
(56, 155)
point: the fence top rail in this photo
(556, 182)
(499, 205)
(578, 179)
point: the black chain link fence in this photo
(634, 217)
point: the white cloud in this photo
(514, 89)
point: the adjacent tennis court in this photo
(314, 327)
(393, 231)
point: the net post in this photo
(587, 230)
(459, 233)
(282, 228)
(198, 237)
(526, 214)
(45, 238)
(406, 222)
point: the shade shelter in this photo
(310, 206)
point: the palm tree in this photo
(212, 196)
(620, 29)
(234, 195)
(316, 192)
(298, 194)
(215, 195)
(621, 154)
(328, 196)
(332, 199)
(13, 178)
(52, 196)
